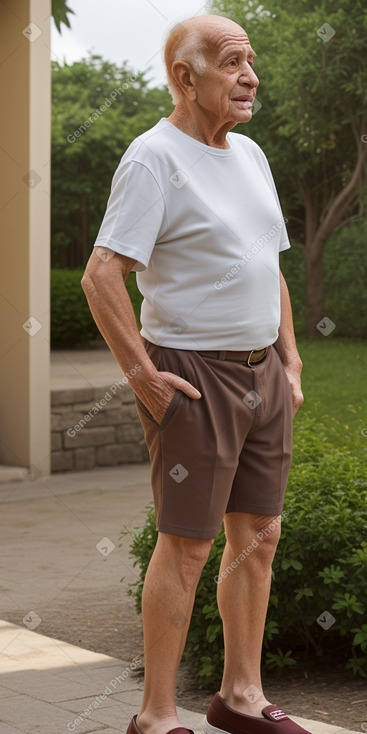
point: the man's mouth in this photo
(245, 101)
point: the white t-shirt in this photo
(205, 227)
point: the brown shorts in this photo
(228, 451)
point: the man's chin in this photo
(244, 116)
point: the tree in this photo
(313, 123)
(60, 12)
(98, 108)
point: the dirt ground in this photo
(110, 625)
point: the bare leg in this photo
(243, 595)
(167, 602)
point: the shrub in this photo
(72, 323)
(320, 566)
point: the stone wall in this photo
(95, 427)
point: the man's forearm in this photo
(113, 313)
(104, 287)
(286, 342)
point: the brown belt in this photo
(254, 356)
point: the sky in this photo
(122, 30)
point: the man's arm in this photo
(286, 346)
(104, 286)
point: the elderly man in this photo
(194, 210)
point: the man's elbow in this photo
(90, 280)
(86, 282)
(91, 284)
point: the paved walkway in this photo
(71, 368)
(51, 530)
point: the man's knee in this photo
(189, 554)
(268, 536)
(254, 533)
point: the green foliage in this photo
(278, 661)
(98, 108)
(71, 320)
(320, 564)
(72, 323)
(345, 277)
(60, 12)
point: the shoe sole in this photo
(210, 729)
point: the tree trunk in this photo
(318, 229)
(315, 295)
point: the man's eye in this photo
(232, 62)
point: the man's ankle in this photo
(151, 723)
(247, 699)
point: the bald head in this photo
(193, 41)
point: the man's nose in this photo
(249, 77)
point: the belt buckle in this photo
(248, 361)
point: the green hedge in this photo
(72, 324)
(320, 565)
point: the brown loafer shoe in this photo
(222, 719)
(134, 729)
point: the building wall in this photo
(95, 427)
(25, 88)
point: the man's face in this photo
(228, 86)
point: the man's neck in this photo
(206, 131)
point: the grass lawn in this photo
(335, 386)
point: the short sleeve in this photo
(135, 213)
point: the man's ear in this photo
(183, 75)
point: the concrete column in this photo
(25, 93)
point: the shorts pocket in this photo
(141, 407)
(177, 397)
(171, 410)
